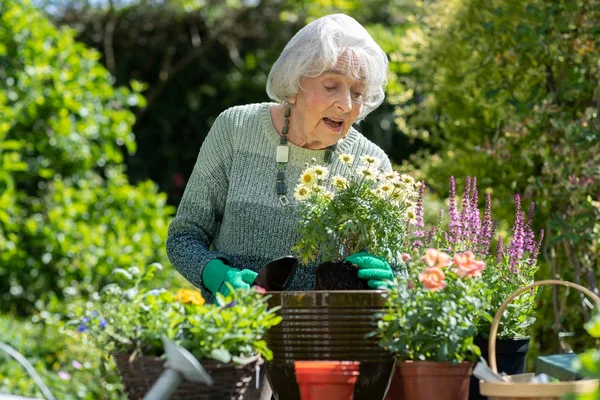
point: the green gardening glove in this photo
(375, 270)
(216, 273)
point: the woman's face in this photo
(325, 108)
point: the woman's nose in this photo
(344, 102)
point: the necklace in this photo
(282, 156)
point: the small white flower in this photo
(308, 177)
(370, 160)
(407, 179)
(302, 192)
(367, 173)
(391, 176)
(411, 215)
(346, 158)
(320, 171)
(327, 194)
(385, 188)
(340, 182)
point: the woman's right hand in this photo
(216, 273)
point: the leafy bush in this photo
(67, 363)
(513, 98)
(68, 215)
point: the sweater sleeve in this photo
(200, 211)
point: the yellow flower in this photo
(340, 182)
(346, 158)
(308, 177)
(301, 192)
(187, 296)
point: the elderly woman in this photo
(238, 209)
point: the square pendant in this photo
(282, 154)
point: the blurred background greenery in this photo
(105, 103)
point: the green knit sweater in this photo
(230, 208)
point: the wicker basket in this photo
(231, 381)
(525, 390)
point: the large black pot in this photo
(328, 325)
(510, 358)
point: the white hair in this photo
(317, 47)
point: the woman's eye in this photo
(357, 95)
(330, 88)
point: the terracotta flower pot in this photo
(331, 380)
(425, 380)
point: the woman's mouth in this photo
(334, 125)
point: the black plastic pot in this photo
(510, 358)
(328, 325)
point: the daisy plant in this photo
(366, 210)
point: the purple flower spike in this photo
(465, 212)
(419, 211)
(82, 328)
(499, 251)
(538, 246)
(517, 244)
(453, 214)
(103, 323)
(486, 228)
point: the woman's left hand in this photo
(374, 269)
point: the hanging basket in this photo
(231, 380)
(526, 390)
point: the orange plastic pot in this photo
(331, 380)
(426, 380)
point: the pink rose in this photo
(433, 278)
(406, 257)
(435, 258)
(467, 265)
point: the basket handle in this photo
(498, 316)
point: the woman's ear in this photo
(292, 99)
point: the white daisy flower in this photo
(407, 179)
(320, 171)
(391, 176)
(367, 173)
(411, 215)
(339, 182)
(308, 177)
(302, 192)
(346, 158)
(385, 188)
(370, 160)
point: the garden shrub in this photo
(68, 214)
(508, 91)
